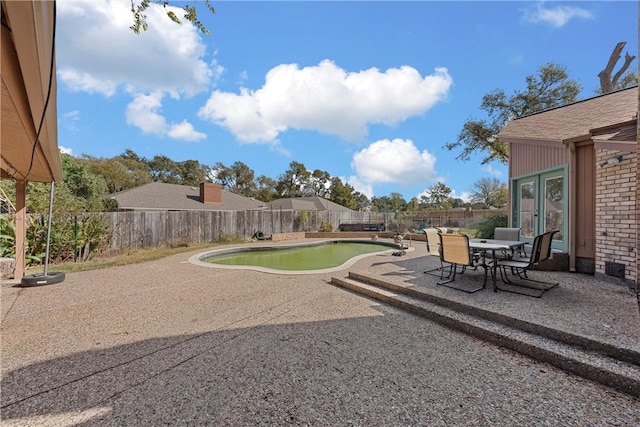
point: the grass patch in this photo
(130, 257)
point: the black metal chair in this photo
(518, 267)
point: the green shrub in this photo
(301, 221)
(73, 237)
(485, 227)
(325, 227)
(7, 238)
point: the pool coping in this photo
(197, 258)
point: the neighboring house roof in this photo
(313, 203)
(576, 121)
(28, 80)
(160, 196)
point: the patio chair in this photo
(518, 267)
(433, 249)
(508, 233)
(455, 250)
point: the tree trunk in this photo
(608, 83)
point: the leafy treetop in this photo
(550, 88)
(139, 7)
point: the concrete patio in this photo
(170, 342)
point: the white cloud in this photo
(391, 161)
(465, 195)
(78, 81)
(65, 150)
(491, 171)
(556, 16)
(144, 113)
(242, 78)
(97, 52)
(362, 187)
(71, 119)
(327, 99)
(185, 132)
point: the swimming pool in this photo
(305, 258)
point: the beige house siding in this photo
(616, 219)
(525, 159)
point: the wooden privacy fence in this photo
(446, 218)
(147, 229)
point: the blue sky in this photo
(367, 91)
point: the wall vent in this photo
(614, 269)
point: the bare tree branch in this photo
(627, 62)
(607, 84)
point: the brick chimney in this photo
(210, 193)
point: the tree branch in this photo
(606, 83)
(627, 62)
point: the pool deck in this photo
(170, 342)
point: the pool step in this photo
(615, 367)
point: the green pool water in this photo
(312, 257)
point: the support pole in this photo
(46, 253)
(21, 230)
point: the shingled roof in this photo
(172, 197)
(576, 121)
(313, 203)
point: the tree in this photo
(342, 194)
(550, 88)
(619, 80)
(319, 184)
(80, 181)
(139, 7)
(293, 181)
(490, 192)
(266, 189)
(239, 178)
(436, 196)
(362, 201)
(192, 172)
(413, 205)
(163, 169)
(113, 171)
(394, 202)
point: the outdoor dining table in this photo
(492, 245)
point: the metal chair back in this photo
(433, 242)
(545, 249)
(506, 233)
(455, 249)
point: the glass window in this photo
(527, 209)
(554, 205)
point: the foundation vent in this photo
(614, 269)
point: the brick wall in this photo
(616, 219)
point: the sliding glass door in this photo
(540, 204)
